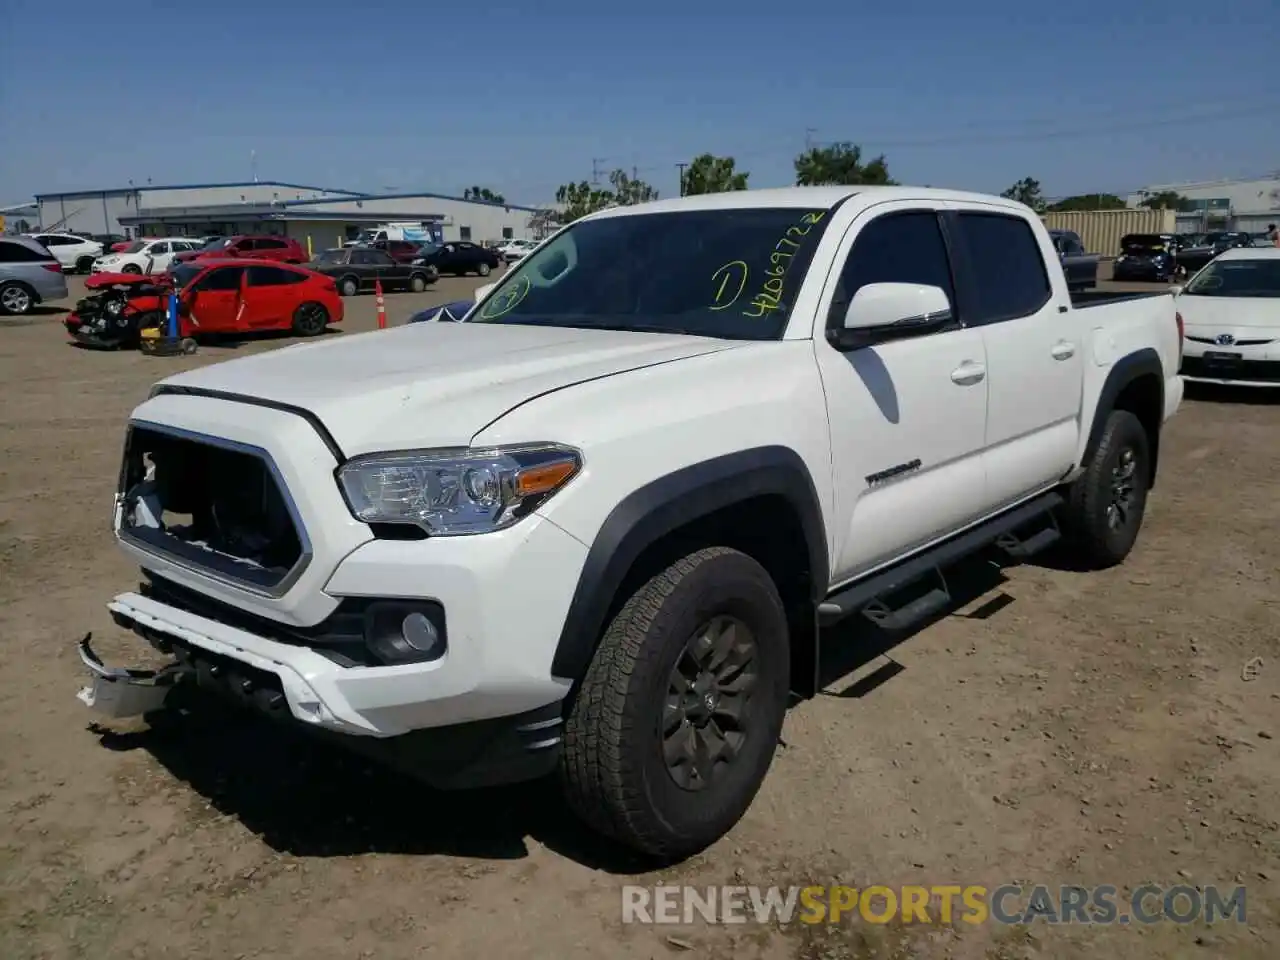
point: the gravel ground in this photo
(1059, 728)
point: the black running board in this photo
(870, 595)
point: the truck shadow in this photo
(307, 798)
(1224, 393)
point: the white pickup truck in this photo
(595, 527)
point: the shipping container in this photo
(1100, 230)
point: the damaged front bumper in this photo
(119, 692)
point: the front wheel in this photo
(131, 268)
(678, 717)
(310, 319)
(1106, 504)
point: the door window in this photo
(273, 277)
(1007, 267)
(227, 278)
(364, 257)
(895, 248)
(157, 249)
(266, 243)
(20, 253)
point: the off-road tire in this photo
(612, 767)
(1090, 540)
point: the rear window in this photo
(11, 252)
(1143, 241)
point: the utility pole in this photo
(635, 173)
(595, 169)
(680, 167)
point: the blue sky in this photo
(404, 96)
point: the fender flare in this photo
(654, 510)
(1125, 370)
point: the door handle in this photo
(968, 373)
(1063, 350)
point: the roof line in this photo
(141, 188)
(405, 196)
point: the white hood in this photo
(1229, 314)
(435, 384)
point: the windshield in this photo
(1237, 278)
(330, 256)
(182, 274)
(730, 273)
(217, 243)
(134, 247)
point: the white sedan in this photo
(145, 256)
(513, 250)
(1231, 316)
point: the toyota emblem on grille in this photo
(1224, 340)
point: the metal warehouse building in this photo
(1247, 205)
(316, 216)
(107, 211)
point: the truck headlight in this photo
(456, 491)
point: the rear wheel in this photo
(417, 283)
(16, 299)
(310, 319)
(349, 286)
(483, 269)
(1106, 504)
(678, 716)
(84, 264)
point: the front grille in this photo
(1260, 371)
(211, 505)
(1233, 343)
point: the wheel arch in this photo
(1134, 383)
(762, 501)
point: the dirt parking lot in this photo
(1060, 728)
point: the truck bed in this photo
(1080, 299)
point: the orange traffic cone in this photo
(382, 310)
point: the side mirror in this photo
(891, 311)
(1176, 289)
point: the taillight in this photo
(53, 266)
(1181, 334)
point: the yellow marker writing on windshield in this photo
(731, 280)
(506, 301)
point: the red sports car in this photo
(214, 297)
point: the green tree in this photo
(711, 174)
(579, 199)
(1165, 200)
(1026, 190)
(840, 163)
(628, 191)
(1090, 201)
(483, 193)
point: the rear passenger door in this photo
(270, 296)
(1034, 367)
(907, 416)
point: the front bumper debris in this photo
(123, 692)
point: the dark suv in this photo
(459, 257)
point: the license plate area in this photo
(1222, 357)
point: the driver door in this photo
(907, 417)
(214, 304)
(158, 257)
